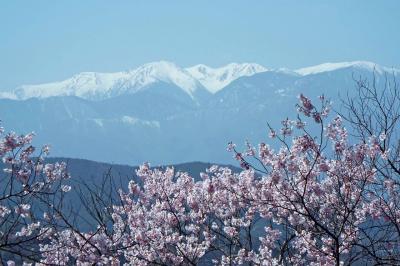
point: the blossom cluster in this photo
(310, 202)
(28, 186)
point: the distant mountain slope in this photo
(164, 123)
(326, 67)
(88, 170)
(90, 174)
(214, 79)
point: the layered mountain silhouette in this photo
(166, 114)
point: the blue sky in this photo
(42, 41)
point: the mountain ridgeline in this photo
(165, 114)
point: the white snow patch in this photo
(155, 124)
(99, 122)
(129, 120)
(8, 95)
(134, 121)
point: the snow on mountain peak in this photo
(85, 84)
(215, 79)
(96, 86)
(91, 85)
(365, 65)
(166, 72)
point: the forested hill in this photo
(91, 170)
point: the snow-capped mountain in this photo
(95, 86)
(360, 65)
(99, 86)
(214, 79)
(164, 114)
(193, 81)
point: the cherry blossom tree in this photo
(375, 113)
(29, 192)
(309, 202)
(316, 194)
(317, 189)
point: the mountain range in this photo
(99, 86)
(163, 113)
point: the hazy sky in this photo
(42, 41)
